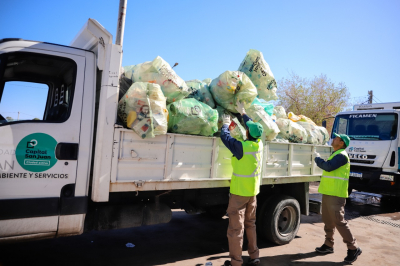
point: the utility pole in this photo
(370, 96)
(121, 22)
(18, 116)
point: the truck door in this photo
(41, 101)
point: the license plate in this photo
(386, 177)
(354, 174)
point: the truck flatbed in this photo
(176, 161)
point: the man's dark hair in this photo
(251, 137)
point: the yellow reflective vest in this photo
(247, 171)
(336, 182)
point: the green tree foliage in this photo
(317, 98)
(9, 118)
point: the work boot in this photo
(352, 255)
(253, 262)
(324, 249)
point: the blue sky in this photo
(355, 42)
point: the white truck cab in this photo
(45, 162)
(374, 147)
(39, 157)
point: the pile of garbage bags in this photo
(154, 100)
(236, 128)
(280, 112)
(143, 108)
(258, 114)
(268, 107)
(300, 118)
(189, 116)
(291, 131)
(324, 133)
(233, 86)
(159, 72)
(200, 91)
(257, 69)
(301, 131)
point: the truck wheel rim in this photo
(286, 220)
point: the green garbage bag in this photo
(236, 129)
(324, 133)
(291, 131)
(280, 139)
(200, 91)
(232, 86)
(268, 107)
(257, 69)
(280, 112)
(143, 109)
(258, 114)
(314, 135)
(207, 81)
(189, 116)
(160, 72)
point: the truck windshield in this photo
(370, 126)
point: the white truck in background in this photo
(75, 169)
(374, 147)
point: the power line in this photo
(366, 101)
(363, 101)
(360, 100)
(377, 98)
(17, 112)
(27, 114)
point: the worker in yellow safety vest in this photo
(334, 189)
(245, 185)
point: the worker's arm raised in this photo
(232, 144)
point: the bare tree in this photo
(317, 98)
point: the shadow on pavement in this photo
(294, 259)
(287, 259)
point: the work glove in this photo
(226, 119)
(240, 107)
(316, 154)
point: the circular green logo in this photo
(36, 152)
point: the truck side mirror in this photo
(324, 123)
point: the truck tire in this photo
(279, 219)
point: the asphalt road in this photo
(196, 239)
